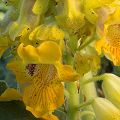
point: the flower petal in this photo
(47, 32)
(47, 53)
(28, 54)
(10, 94)
(45, 94)
(66, 73)
(20, 70)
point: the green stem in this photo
(84, 104)
(89, 92)
(73, 102)
(93, 79)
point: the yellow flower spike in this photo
(49, 52)
(28, 54)
(47, 32)
(10, 94)
(67, 73)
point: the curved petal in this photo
(47, 53)
(113, 52)
(50, 117)
(47, 32)
(67, 73)
(10, 94)
(20, 70)
(28, 54)
(99, 44)
(46, 93)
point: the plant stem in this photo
(89, 92)
(73, 102)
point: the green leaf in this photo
(3, 86)
(15, 110)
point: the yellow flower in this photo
(110, 44)
(41, 84)
(91, 5)
(43, 92)
(48, 52)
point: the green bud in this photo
(111, 88)
(105, 110)
(40, 6)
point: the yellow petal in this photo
(49, 52)
(50, 117)
(10, 94)
(28, 54)
(110, 45)
(91, 5)
(20, 70)
(47, 32)
(66, 73)
(114, 18)
(113, 52)
(38, 115)
(45, 94)
(99, 44)
(85, 63)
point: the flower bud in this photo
(111, 88)
(105, 110)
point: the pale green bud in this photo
(105, 110)
(111, 88)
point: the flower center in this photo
(113, 35)
(31, 69)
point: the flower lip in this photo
(113, 35)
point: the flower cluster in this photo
(53, 47)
